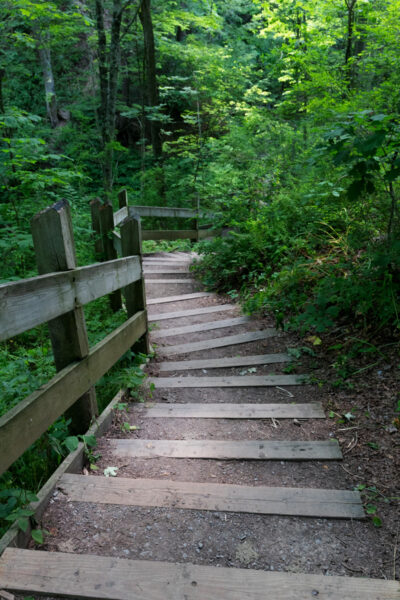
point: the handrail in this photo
(25, 422)
(30, 302)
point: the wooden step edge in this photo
(222, 363)
(179, 298)
(228, 449)
(226, 381)
(110, 578)
(304, 502)
(312, 410)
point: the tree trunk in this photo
(48, 79)
(108, 79)
(151, 76)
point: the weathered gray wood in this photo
(120, 215)
(53, 241)
(179, 281)
(305, 502)
(226, 381)
(179, 298)
(169, 234)
(31, 302)
(208, 326)
(109, 253)
(206, 233)
(193, 312)
(117, 242)
(122, 198)
(163, 211)
(110, 578)
(235, 411)
(222, 363)
(230, 340)
(135, 293)
(26, 421)
(167, 271)
(227, 449)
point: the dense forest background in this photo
(282, 118)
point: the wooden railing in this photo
(194, 234)
(57, 296)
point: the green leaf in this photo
(23, 524)
(377, 521)
(371, 509)
(71, 443)
(37, 535)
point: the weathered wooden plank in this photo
(163, 211)
(169, 234)
(53, 240)
(226, 381)
(31, 302)
(208, 326)
(24, 423)
(179, 298)
(110, 578)
(193, 312)
(230, 340)
(228, 450)
(117, 242)
(306, 502)
(164, 263)
(120, 215)
(135, 293)
(100, 279)
(106, 218)
(235, 411)
(179, 281)
(166, 271)
(222, 363)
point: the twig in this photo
(395, 553)
(352, 445)
(360, 570)
(286, 391)
(357, 476)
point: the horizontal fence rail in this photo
(22, 425)
(28, 303)
(165, 211)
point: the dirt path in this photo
(221, 538)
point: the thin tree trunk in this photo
(48, 79)
(151, 76)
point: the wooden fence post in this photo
(122, 198)
(106, 219)
(135, 293)
(94, 211)
(53, 241)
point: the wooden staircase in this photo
(76, 575)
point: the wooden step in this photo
(222, 363)
(110, 578)
(208, 326)
(304, 502)
(228, 449)
(235, 411)
(181, 281)
(226, 381)
(179, 298)
(167, 271)
(231, 340)
(192, 312)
